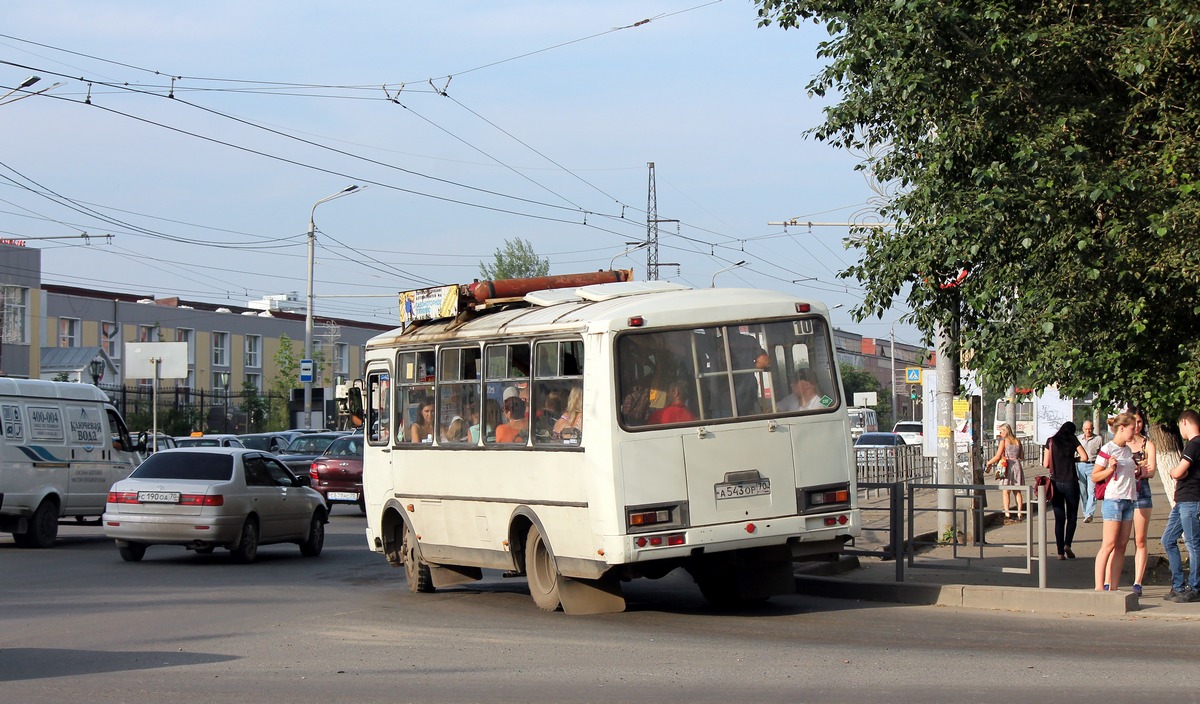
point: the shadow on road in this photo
(17, 664)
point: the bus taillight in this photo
(657, 541)
(649, 518)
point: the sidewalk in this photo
(939, 577)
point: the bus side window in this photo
(557, 417)
(379, 403)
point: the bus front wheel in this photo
(541, 571)
(415, 570)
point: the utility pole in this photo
(652, 221)
(947, 384)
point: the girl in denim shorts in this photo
(1115, 465)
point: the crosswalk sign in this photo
(912, 375)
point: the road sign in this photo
(912, 375)
(306, 371)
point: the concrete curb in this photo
(1063, 601)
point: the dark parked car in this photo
(303, 449)
(268, 442)
(879, 440)
(337, 474)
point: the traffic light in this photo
(912, 395)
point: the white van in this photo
(862, 420)
(63, 446)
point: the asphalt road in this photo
(80, 625)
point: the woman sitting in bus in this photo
(422, 429)
(491, 418)
(456, 430)
(517, 428)
(569, 425)
(676, 411)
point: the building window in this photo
(68, 332)
(110, 339)
(13, 324)
(253, 351)
(341, 359)
(184, 387)
(220, 350)
(147, 333)
(255, 381)
(188, 336)
(220, 385)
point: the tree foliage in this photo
(515, 260)
(287, 367)
(1048, 149)
(859, 380)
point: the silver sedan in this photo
(208, 497)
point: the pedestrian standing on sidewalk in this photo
(1061, 452)
(1115, 467)
(1185, 514)
(1087, 488)
(1146, 458)
(1008, 456)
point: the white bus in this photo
(581, 437)
(1026, 413)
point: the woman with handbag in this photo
(1059, 456)
(1117, 471)
(1145, 456)
(1008, 473)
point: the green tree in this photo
(859, 380)
(287, 369)
(1045, 157)
(515, 260)
(256, 407)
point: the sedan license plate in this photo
(343, 496)
(738, 490)
(158, 497)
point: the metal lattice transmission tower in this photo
(651, 227)
(652, 221)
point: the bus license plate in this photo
(158, 497)
(737, 490)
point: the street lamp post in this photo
(713, 283)
(308, 318)
(24, 84)
(96, 369)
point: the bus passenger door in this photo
(739, 474)
(377, 453)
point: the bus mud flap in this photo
(449, 575)
(580, 597)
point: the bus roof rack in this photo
(449, 301)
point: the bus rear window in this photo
(725, 372)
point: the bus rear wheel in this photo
(541, 571)
(420, 580)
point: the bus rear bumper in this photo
(807, 535)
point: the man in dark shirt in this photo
(1185, 516)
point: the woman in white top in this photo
(1115, 465)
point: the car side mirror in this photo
(141, 443)
(303, 480)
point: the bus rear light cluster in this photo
(840, 496)
(838, 521)
(657, 541)
(650, 518)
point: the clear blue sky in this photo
(548, 123)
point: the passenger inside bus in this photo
(455, 430)
(805, 393)
(516, 429)
(569, 427)
(422, 428)
(677, 410)
(491, 419)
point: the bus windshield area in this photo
(724, 372)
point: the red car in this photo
(337, 474)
